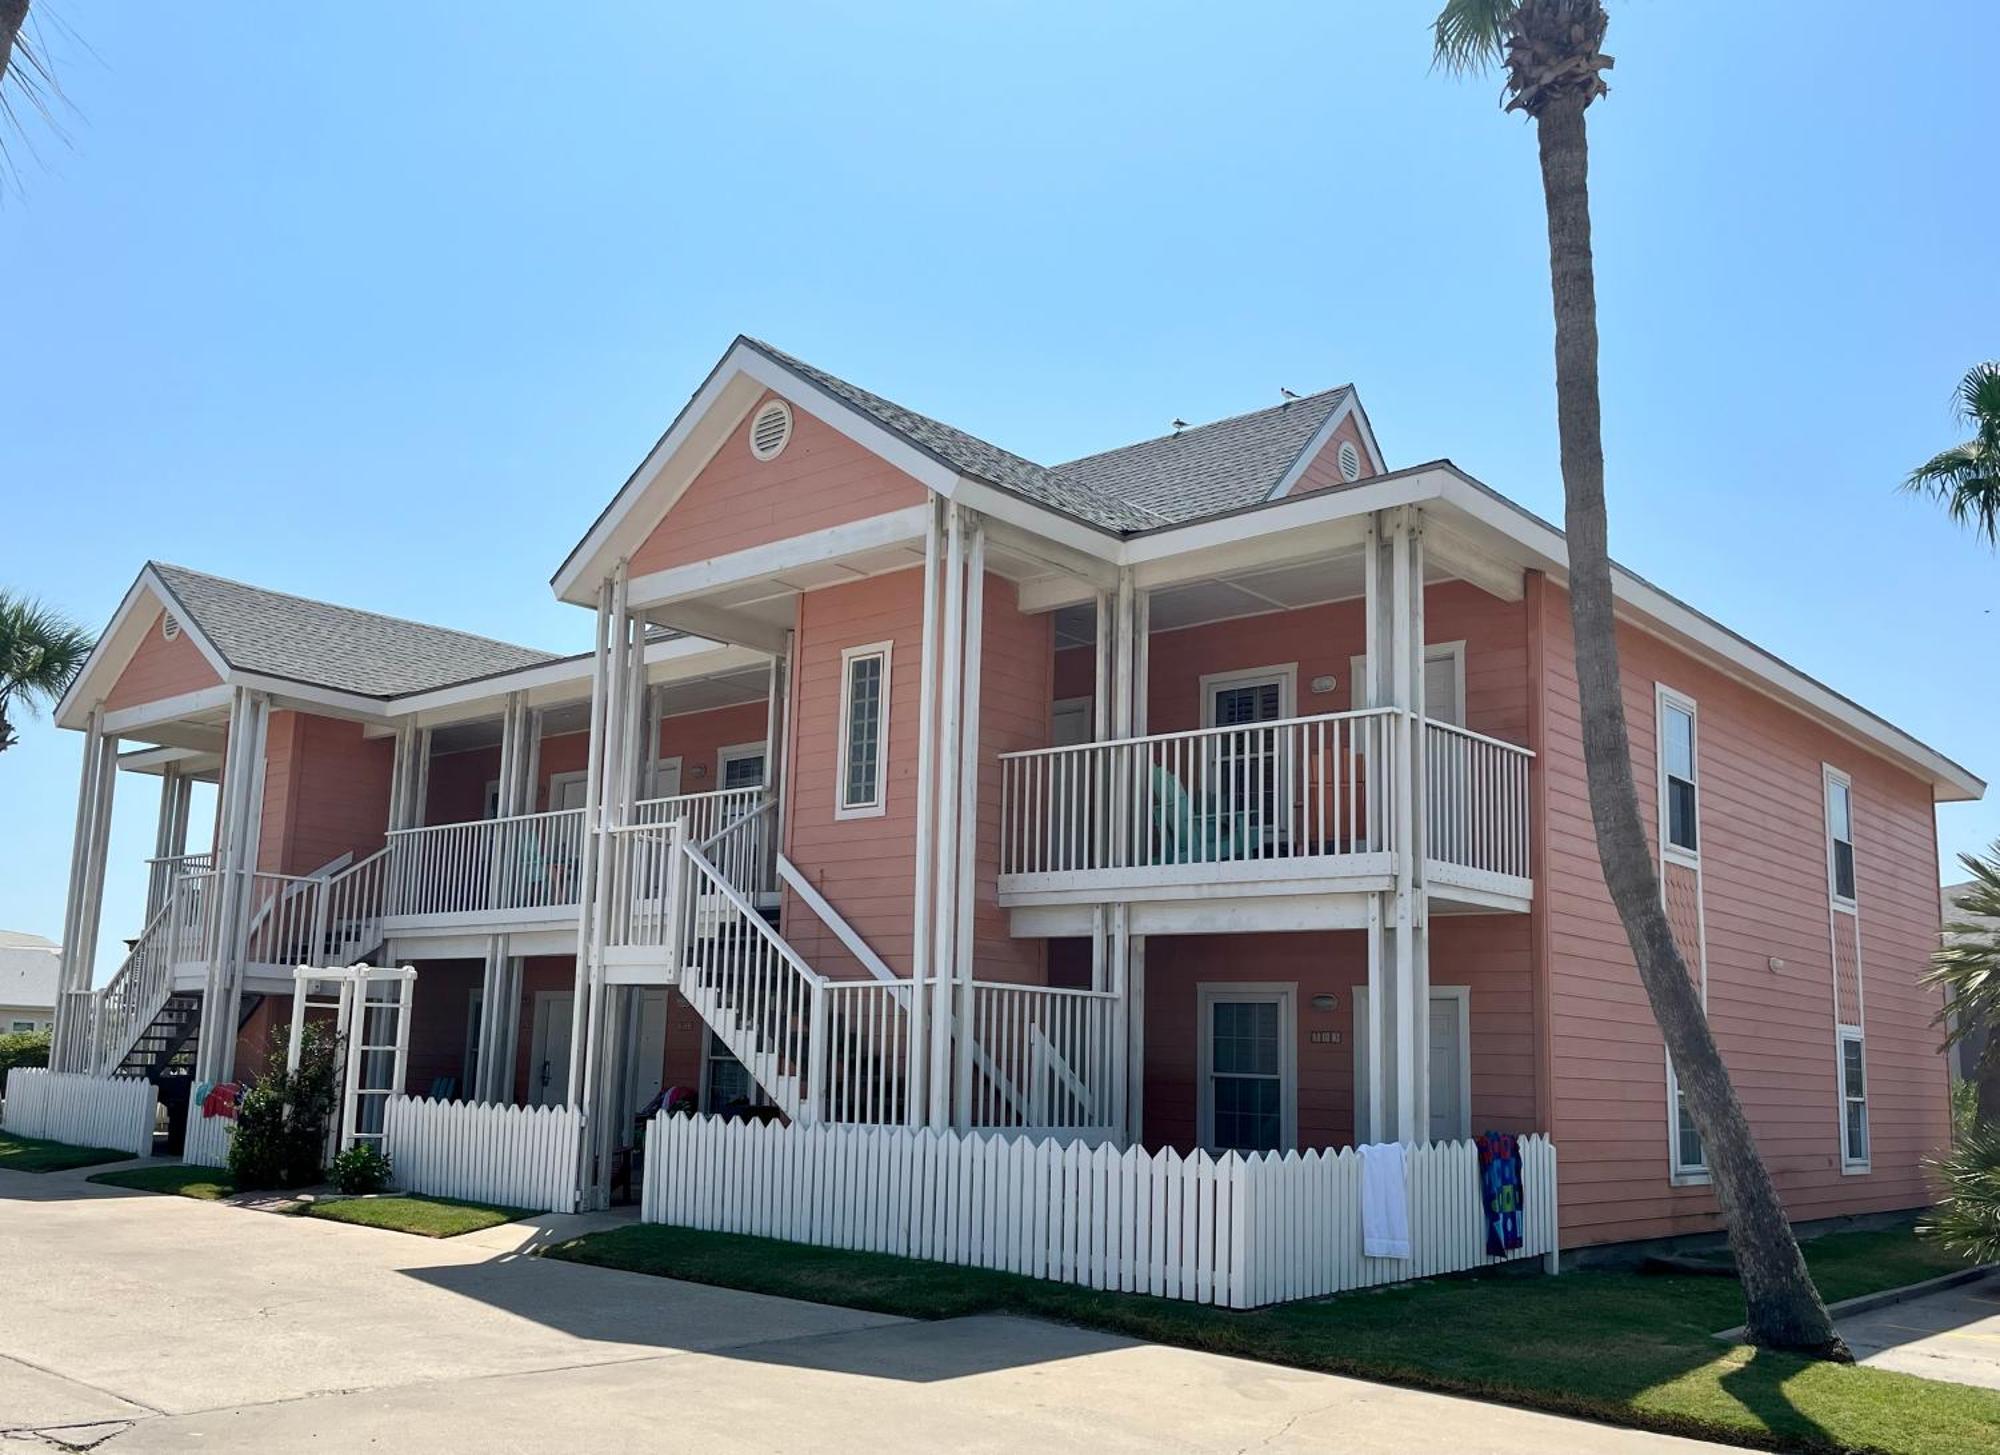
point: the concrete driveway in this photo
(1953, 1334)
(133, 1323)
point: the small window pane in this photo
(1688, 1140)
(862, 771)
(1850, 1051)
(1839, 810)
(1680, 743)
(1843, 869)
(1681, 830)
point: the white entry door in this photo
(566, 790)
(648, 1070)
(548, 1066)
(666, 778)
(1451, 1100)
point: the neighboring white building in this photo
(27, 981)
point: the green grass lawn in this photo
(427, 1217)
(209, 1184)
(1629, 1348)
(32, 1154)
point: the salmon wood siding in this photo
(1770, 968)
(1488, 954)
(326, 793)
(820, 479)
(1322, 471)
(160, 669)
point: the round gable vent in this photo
(771, 430)
(170, 628)
(1350, 461)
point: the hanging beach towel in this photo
(1500, 1191)
(1385, 1202)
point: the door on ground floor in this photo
(1247, 1063)
(1451, 1063)
(646, 1069)
(548, 1064)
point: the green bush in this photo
(360, 1169)
(1967, 1216)
(281, 1122)
(23, 1048)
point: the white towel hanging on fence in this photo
(1385, 1206)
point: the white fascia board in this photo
(122, 638)
(166, 709)
(1652, 610)
(699, 430)
(158, 760)
(830, 409)
(1053, 525)
(285, 693)
(1410, 487)
(566, 680)
(1321, 437)
(774, 558)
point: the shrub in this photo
(360, 1169)
(281, 1122)
(1967, 1216)
(23, 1048)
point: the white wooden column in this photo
(608, 593)
(96, 786)
(944, 899)
(919, 1110)
(239, 810)
(1135, 968)
(966, 855)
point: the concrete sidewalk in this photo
(1952, 1334)
(158, 1323)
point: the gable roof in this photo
(1209, 468)
(324, 645)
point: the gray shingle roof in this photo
(970, 455)
(340, 647)
(1200, 471)
(1209, 467)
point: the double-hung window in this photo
(1840, 837)
(864, 732)
(1853, 1102)
(1680, 848)
(1679, 802)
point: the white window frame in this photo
(1285, 675)
(712, 1045)
(877, 806)
(1831, 778)
(489, 803)
(725, 756)
(1848, 1163)
(1433, 652)
(1285, 994)
(560, 781)
(1462, 996)
(1665, 697)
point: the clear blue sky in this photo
(380, 303)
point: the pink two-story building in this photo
(1220, 791)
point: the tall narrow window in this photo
(1248, 1093)
(1853, 1102)
(1679, 805)
(1840, 836)
(864, 730)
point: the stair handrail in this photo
(120, 991)
(815, 983)
(722, 844)
(336, 884)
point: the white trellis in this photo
(371, 1005)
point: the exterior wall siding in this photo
(1322, 472)
(822, 478)
(160, 669)
(326, 793)
(1769, 960)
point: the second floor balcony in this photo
(1300, 805)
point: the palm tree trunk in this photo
(1784, 1310)
(12, 15)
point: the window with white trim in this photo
(1690, 1161)
(1680, 805)
(1853, 1102)
(864, 731)
(1839, 836)
(1248, 1055)
(741, 766)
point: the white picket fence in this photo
(85, 1111)
(207, 1141)
(512, 1156)
(1235, 1231)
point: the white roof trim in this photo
(743, 364)
(1348, 408)
(122, 639)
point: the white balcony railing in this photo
(161, 874)
(731, 826)
(1476, 801)
(1273, 794)
(509, 866)
(1301, 788)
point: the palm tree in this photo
(1967, 969)
(1967, 1216)
(41, 652)
(1553, 57)
(1965, 479)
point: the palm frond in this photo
(1967, 969)
(1470, 35)
(1977, 403)
(41, 650)
(1965, 479)
(1967, 1216)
